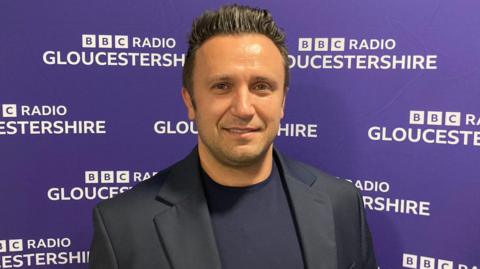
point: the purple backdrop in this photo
(383, 93)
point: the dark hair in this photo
(230, 20)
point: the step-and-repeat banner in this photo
(385, 94)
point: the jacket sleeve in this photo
(367, 252)
(102, 255)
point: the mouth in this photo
(241, 130)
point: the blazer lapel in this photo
(186, 232)
(184, 225)
(314, 218)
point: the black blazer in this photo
(164, 223)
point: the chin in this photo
(245, 157)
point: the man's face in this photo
(239, 97)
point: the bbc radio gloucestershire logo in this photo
(377, 197)
(19, 119)
(413, 261)
(99, 185)
(119, 51)
(450, 128)
(301, 130)
(35, 253)
(361, 54)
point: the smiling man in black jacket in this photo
(235, 202)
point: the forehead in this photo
(248, 53)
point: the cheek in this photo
(269, 116)
(207, 116)
(272, 110)
(214, 110)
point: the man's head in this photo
(232, 20)
(235, 89)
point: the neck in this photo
(235, 175)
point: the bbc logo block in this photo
(321, 44)
(3, 246)
(105, 41)
(427, 263)
(108, 177)
(304, 44)
(15, 245)
(409, 261)
(123, 176)
(435, 118)
(452, 118)
(121, 42)
(89, 41)
(423, 262)
(91, 177)
(337, 44)
(9, 110)
(445, 264)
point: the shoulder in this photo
(338, 190)
(315, 177)
(148, 197)
(142, 197)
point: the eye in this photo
(221, 86)
(261, 86)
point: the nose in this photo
(241, 105)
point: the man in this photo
(234, 202)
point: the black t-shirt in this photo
(253, 225)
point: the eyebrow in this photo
(219, 78)
(224, 77)
(261, 78)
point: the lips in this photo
(241, 130)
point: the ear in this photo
(188, 101)
(283, 106)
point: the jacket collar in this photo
(187, 234)
(313, 214)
